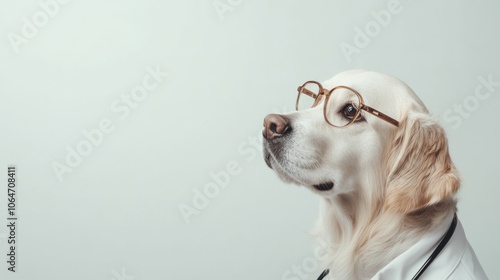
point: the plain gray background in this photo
(117, 214)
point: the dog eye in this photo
(349, 112)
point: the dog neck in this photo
(360, 238)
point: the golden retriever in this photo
(380, 162)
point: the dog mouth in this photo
(324, 186)
(267, 158)
(320, 187)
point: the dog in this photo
(370, 148)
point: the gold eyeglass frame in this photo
(327, 94)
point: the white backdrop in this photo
(134, 127)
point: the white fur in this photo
(391, 184)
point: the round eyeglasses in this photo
(346, 109)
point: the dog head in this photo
(406, 165)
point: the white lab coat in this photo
(456, 261)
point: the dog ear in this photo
(421, 172)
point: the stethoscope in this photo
(431, 258)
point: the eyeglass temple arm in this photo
(380, 115)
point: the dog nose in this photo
(275, 126)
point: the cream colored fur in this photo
(391, 184)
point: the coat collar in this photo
(408, 263)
